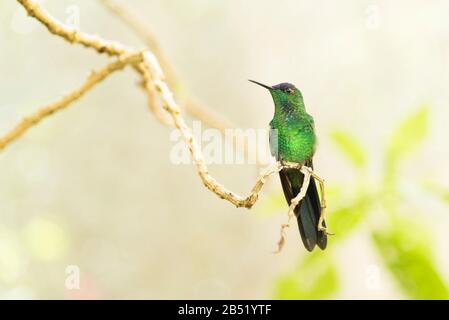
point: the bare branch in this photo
(94, 78)
(190, 104)
(140, 27)
(70, 34)
(150, 89)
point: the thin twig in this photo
(140, 27)
(190, 104)
(71, 34)
(94, 78)
(150, 89)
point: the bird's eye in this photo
(289, 90)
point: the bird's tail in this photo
(307, 211)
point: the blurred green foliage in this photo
(402, 243)
(349, 147)
(322, 282)
(437, 190)
(405, 252)
(407, 137)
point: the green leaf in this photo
(343, 220)
(439, 191)
(407, 137)
(350, 147)
(406, 251)
(315, 277)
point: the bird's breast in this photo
(296, 145)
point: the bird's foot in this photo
(322, 228)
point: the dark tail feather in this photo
(312, 195)
(307, 211)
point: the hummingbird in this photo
(293, 139)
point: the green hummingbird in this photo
(293, 139)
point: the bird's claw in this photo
(324, 229)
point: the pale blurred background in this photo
(93, 186)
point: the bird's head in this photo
(284, 94)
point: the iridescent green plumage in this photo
(294, 127)
(292, 139)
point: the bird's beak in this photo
(261, 84)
